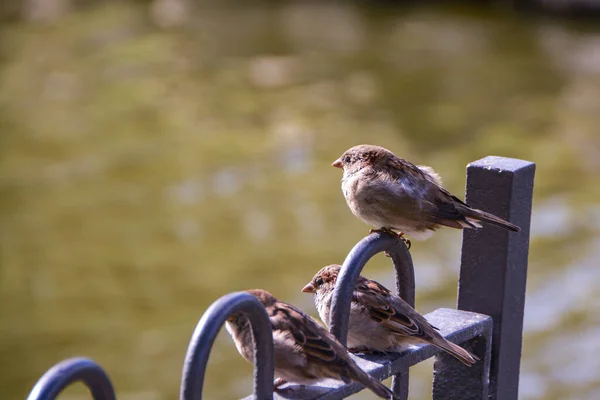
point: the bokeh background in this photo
(155, 155)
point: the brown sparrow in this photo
(389, 193)
(379, 320)
(305, 352)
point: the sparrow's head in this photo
(361, 156)
(323, 280)
(266, 298)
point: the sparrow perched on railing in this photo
(305, 352)
(379, 320)
(390, 193)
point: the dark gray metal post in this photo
(454, 381)
(353, 265)
(455, 325)
(66, 372)
(206, 331)
(494, 262)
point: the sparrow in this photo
(389, 193)
(379, 320)
(305, 352)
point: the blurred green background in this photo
(157, 155)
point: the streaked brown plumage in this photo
(305, 352)
(390, 193)
(379, 320)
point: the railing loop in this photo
(358, 257)
(69, 371)
(206, 331)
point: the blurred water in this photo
(153, 161)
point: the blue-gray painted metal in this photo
(70, 371)
(492, 281)
(493, 271)
(456, 326)
(206, 331)
(358, 257)
(452, 381)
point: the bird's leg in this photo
(389, 232)
(405, 240)
(399, 235)
(366, 350)
(277, 383)
(383, 230)
(358, 349)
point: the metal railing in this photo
(69, 371)
(204, 336)
(488, 321)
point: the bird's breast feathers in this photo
(384, 202)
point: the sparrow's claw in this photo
(399, 235)
(405, 240)
(383, 230)
(278, 382)
(365, 350)
(358, 349)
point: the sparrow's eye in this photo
(347, 159)
(319, 281)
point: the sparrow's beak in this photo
(308, 288)
(337, 163)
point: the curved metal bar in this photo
(362, 252)
(204, 336)
(73, 370)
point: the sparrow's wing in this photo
(400, 319)
(431, 174)
(443, 204)
(316, 342)
(445, 208)
(469, 217)
(435, 205)
(448, 210)
(400, 168)
(390, 311)
(424, 182)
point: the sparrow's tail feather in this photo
(375, 386)
(461, 354)
(478, 215)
